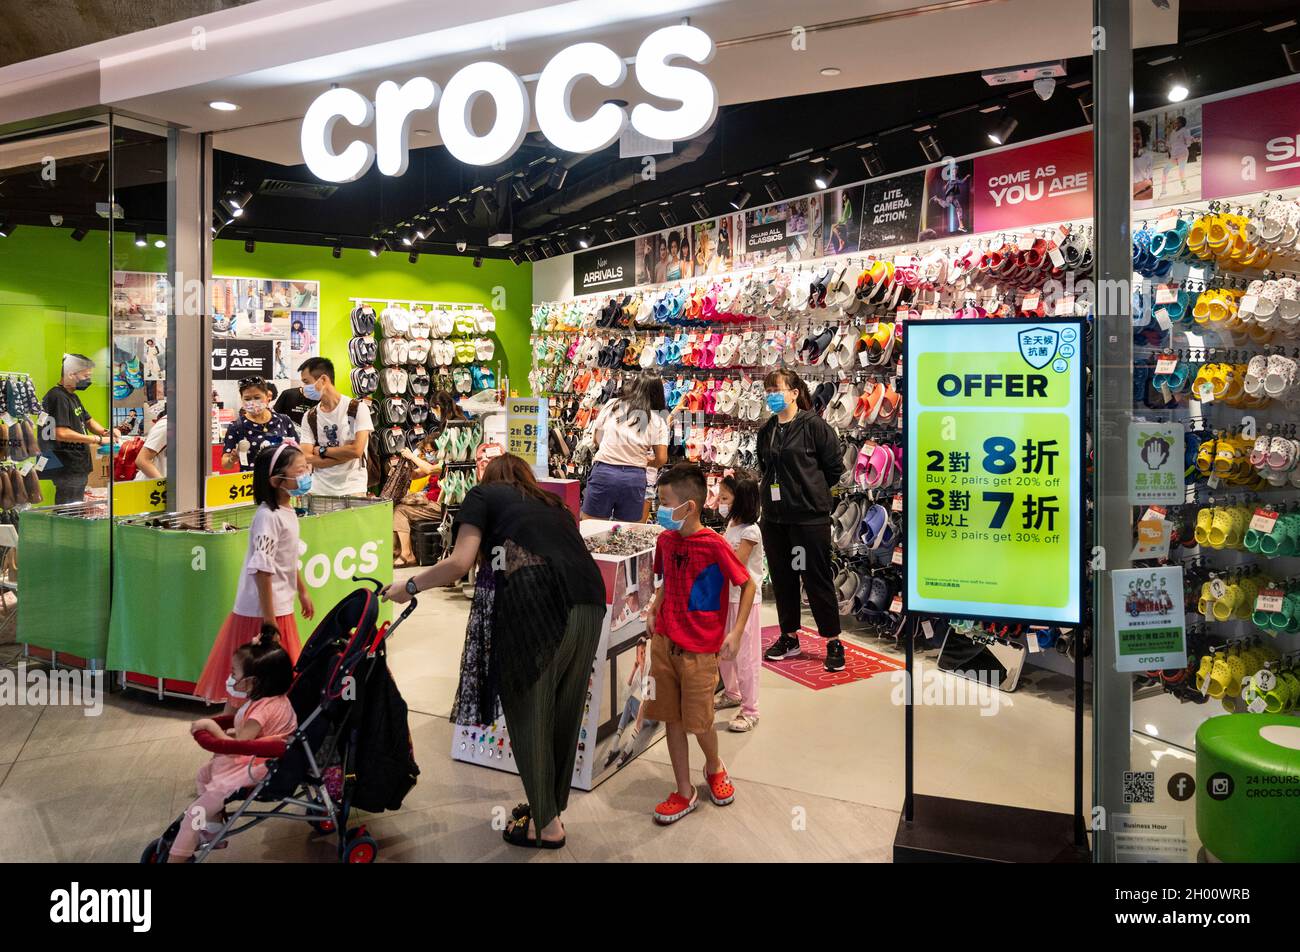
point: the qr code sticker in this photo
(1139, 786)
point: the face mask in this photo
(665, 518)
(776, 402)
(83, 384)
(724, 510)
(303, 487)
(254, 407)
(311, 392)
(230, 688)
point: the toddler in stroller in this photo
(337, 740)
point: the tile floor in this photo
(819, 780)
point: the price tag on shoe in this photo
(1155, 513)
(1218, 588)
(1269, 600)
(1167, 221)
(1248, 303)
(1030, 302)
(897, 504)
(1263, 521)
(896, 605)
(897, 558)
(1166, 363)
(1162, 318)
(1065, 305)
(1205, 392)
(1166, 293)
(1054, 253)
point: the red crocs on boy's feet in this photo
(675, 807)
(721, 790)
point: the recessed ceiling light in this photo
(1279, 26)
(222, 106)
(1177, 92)
(424, 132)
(830, 70)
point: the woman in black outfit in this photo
(800, 457)
(532, 634)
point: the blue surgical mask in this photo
(776, 402)
(311, 392)
(665, 518)
(303, 487)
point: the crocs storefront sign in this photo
(657, 72)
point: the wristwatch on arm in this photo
(411, 588)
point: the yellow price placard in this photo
(228, 489)
(139, 496)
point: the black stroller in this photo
(352, 748)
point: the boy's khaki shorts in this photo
(683, 684)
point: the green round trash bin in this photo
(1248, 787)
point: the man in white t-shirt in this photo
(151, 461)
(335, 433)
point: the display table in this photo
(175, 577)
(611, 735)
(63, 606)
(1248, 788)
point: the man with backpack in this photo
(335, 435)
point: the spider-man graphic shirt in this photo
(696, 569)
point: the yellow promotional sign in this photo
(139, 496)
(526, 431)
(228, 489)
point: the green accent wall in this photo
(54, 297)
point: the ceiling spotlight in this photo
(515, 257)
(637, 226)
(830, 70)
(441, 223)
(774, 191)
(489, 199)
(337, 251)
(407, 237)
(1177, 91)
(930, 147)
(478, 261)
(612, 233)
(826, 177)
(740, 200)
(700, 207)
(376, 248)
(531, 252)
(521, 190)
(1002, 133)
(6, 228)
(466, 212)
(563, 244)
(558, 175)
(78, 234)
(547, 249)
(222, 106)
(1085, 105)
(141, 239)
(160, 243)
(250, 246)
(413, 257)
(669, 218)
(872, 162)
(584, 241)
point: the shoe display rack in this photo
(839, 323)
(1216, 314)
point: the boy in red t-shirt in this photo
(687, 625)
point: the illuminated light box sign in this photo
(995, 445)
(394, 105)
(605, 269)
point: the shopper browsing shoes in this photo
(335, 433)
(799, 454)
(688, 631)
(738, 503)
(533, 629)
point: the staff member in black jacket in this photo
(800, 456)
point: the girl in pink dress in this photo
(260, 680)
(270, 577)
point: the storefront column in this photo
(189, 332)
(1113, 394)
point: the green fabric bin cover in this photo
(1248, 787)
(63, 583)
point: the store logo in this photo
(346, 563)
(1038, 346)
(1283, 152)
(394, 106)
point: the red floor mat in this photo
(859, 663)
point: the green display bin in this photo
(173, 587)
(63, 585)
(1248, 787)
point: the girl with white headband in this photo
(270, 577)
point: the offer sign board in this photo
(228, 489)
(139, 496)
(1150, 619)
(526, 432)
(995, 444)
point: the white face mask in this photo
(724, 510)
(254, 407)
(230, 688)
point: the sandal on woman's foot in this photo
(724, 701)
(520, 810)
(721, 791)
(742, 723)
(401, 562)
(516, 834)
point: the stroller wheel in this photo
(155, 852)
(361, 849)
(323, 826)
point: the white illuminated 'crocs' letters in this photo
(394, 106)
(507, 90)
(694, 90)
(555, 88)
(318, 135)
